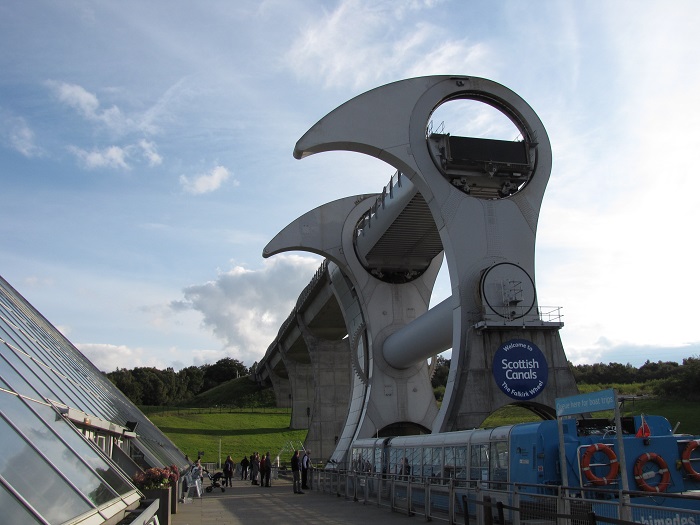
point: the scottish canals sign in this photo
(520, 369)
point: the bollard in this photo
(488, 513)
(591, 518)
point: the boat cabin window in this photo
(362, 459)
(432, 463)
(461, 464)
(479, 463)
(499, 462)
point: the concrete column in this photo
(332, 375)
(478, 394)
(281, 388)
(300, 377)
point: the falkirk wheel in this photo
(475, 200)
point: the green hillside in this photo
(237, 432)
(238, 417)
(239, 392)
(243, 431)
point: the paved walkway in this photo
(248, 504)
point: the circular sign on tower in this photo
(507, 291)
(520, 369)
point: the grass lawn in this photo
(243, 431)
(238, 432)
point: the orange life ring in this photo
(639, 476)
(687, 452)
(586, 464)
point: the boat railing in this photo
(486, 502)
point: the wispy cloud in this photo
(150, 153)
(207, 182)
(16, 134)
(245, 308)
(112, 119)
(110, 157)
(88, 106)
(365, 43)
(109, 357)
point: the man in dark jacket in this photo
(306, 467)
(295, 473)
(265, 470)
(244, 467)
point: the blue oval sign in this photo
(520, 369)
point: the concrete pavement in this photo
(278, 505)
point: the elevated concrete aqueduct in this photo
(354, 357)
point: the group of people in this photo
(258, 468)
(301, 471)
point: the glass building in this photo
(70, 441)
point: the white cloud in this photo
(22, 138)
(206, 183)
(246, 308)
(150, 153)
(367, 43)
(16, 134)
(110, 157)
(88, 106)
(108, 357)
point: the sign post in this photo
(594, 402)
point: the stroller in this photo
(215, 481)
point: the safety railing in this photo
(379, 202)
(475, 502)
(506, 316)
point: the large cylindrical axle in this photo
(429, 334)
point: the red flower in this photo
(156, 478)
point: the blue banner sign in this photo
(593, 402)
(520, 369)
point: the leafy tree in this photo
(685, 382)
(442, 370)
(124, 380)
(659, 370)
(173, 387)
(439, 393)
(223, 370)
(154, 389)
(192, 380)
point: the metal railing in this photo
(545, 316)
(485, 503)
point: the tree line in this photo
(151, 386)
(668, 379)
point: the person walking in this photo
(265, 470)
(254, 468)
(244, 468)
(295, 473)
(228, 472)
(306, 467)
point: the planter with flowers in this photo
(161, 484)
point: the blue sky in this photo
(146, 160)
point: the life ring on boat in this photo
(639, 476)
(687, 452)
(586, 464)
